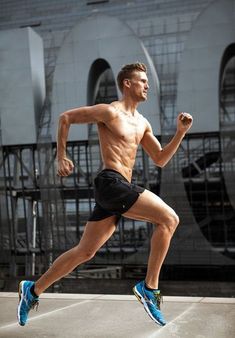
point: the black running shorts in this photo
(114, 195)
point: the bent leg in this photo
(151, 208)
(94, 236)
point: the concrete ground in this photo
(107, 316)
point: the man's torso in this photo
(119, 140)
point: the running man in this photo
(121, 129)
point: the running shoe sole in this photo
(143, 301)
(21, 296)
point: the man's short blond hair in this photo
(127, 70)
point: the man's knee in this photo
(84, 254)
(171, 222)
(88, 255)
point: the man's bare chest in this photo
(126, 129)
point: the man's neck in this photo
(129, 105)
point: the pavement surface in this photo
(107, 316)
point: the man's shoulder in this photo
(113, 109)
(101, 106)
(108, 106)
(114, 106)
(143, 120)
(107, 110)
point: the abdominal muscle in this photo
(119, 160)
(118, 153)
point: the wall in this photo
(22, 85)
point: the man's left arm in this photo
(161, 156)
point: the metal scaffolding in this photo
(36, 226)
(42, 215)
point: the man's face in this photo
(139, 86)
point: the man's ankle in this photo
(149, 288)
(32, 290)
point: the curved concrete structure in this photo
(22, 85)
(87, 42)
(198, 93)
(198, 84)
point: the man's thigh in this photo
(96, 233)
(151, 208)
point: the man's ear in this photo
(127, 83)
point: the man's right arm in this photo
(161, 156)
(89, 114)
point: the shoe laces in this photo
(158, 299)
(34, 305)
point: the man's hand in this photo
(65, 167)
(184, 122)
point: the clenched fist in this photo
(65, 167)
(184, 122)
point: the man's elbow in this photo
(64, 118)
(160, 163)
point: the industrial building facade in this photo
(56, 55)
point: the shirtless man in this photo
(121, 129)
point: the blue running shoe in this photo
(26, 301)
(151, 301)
